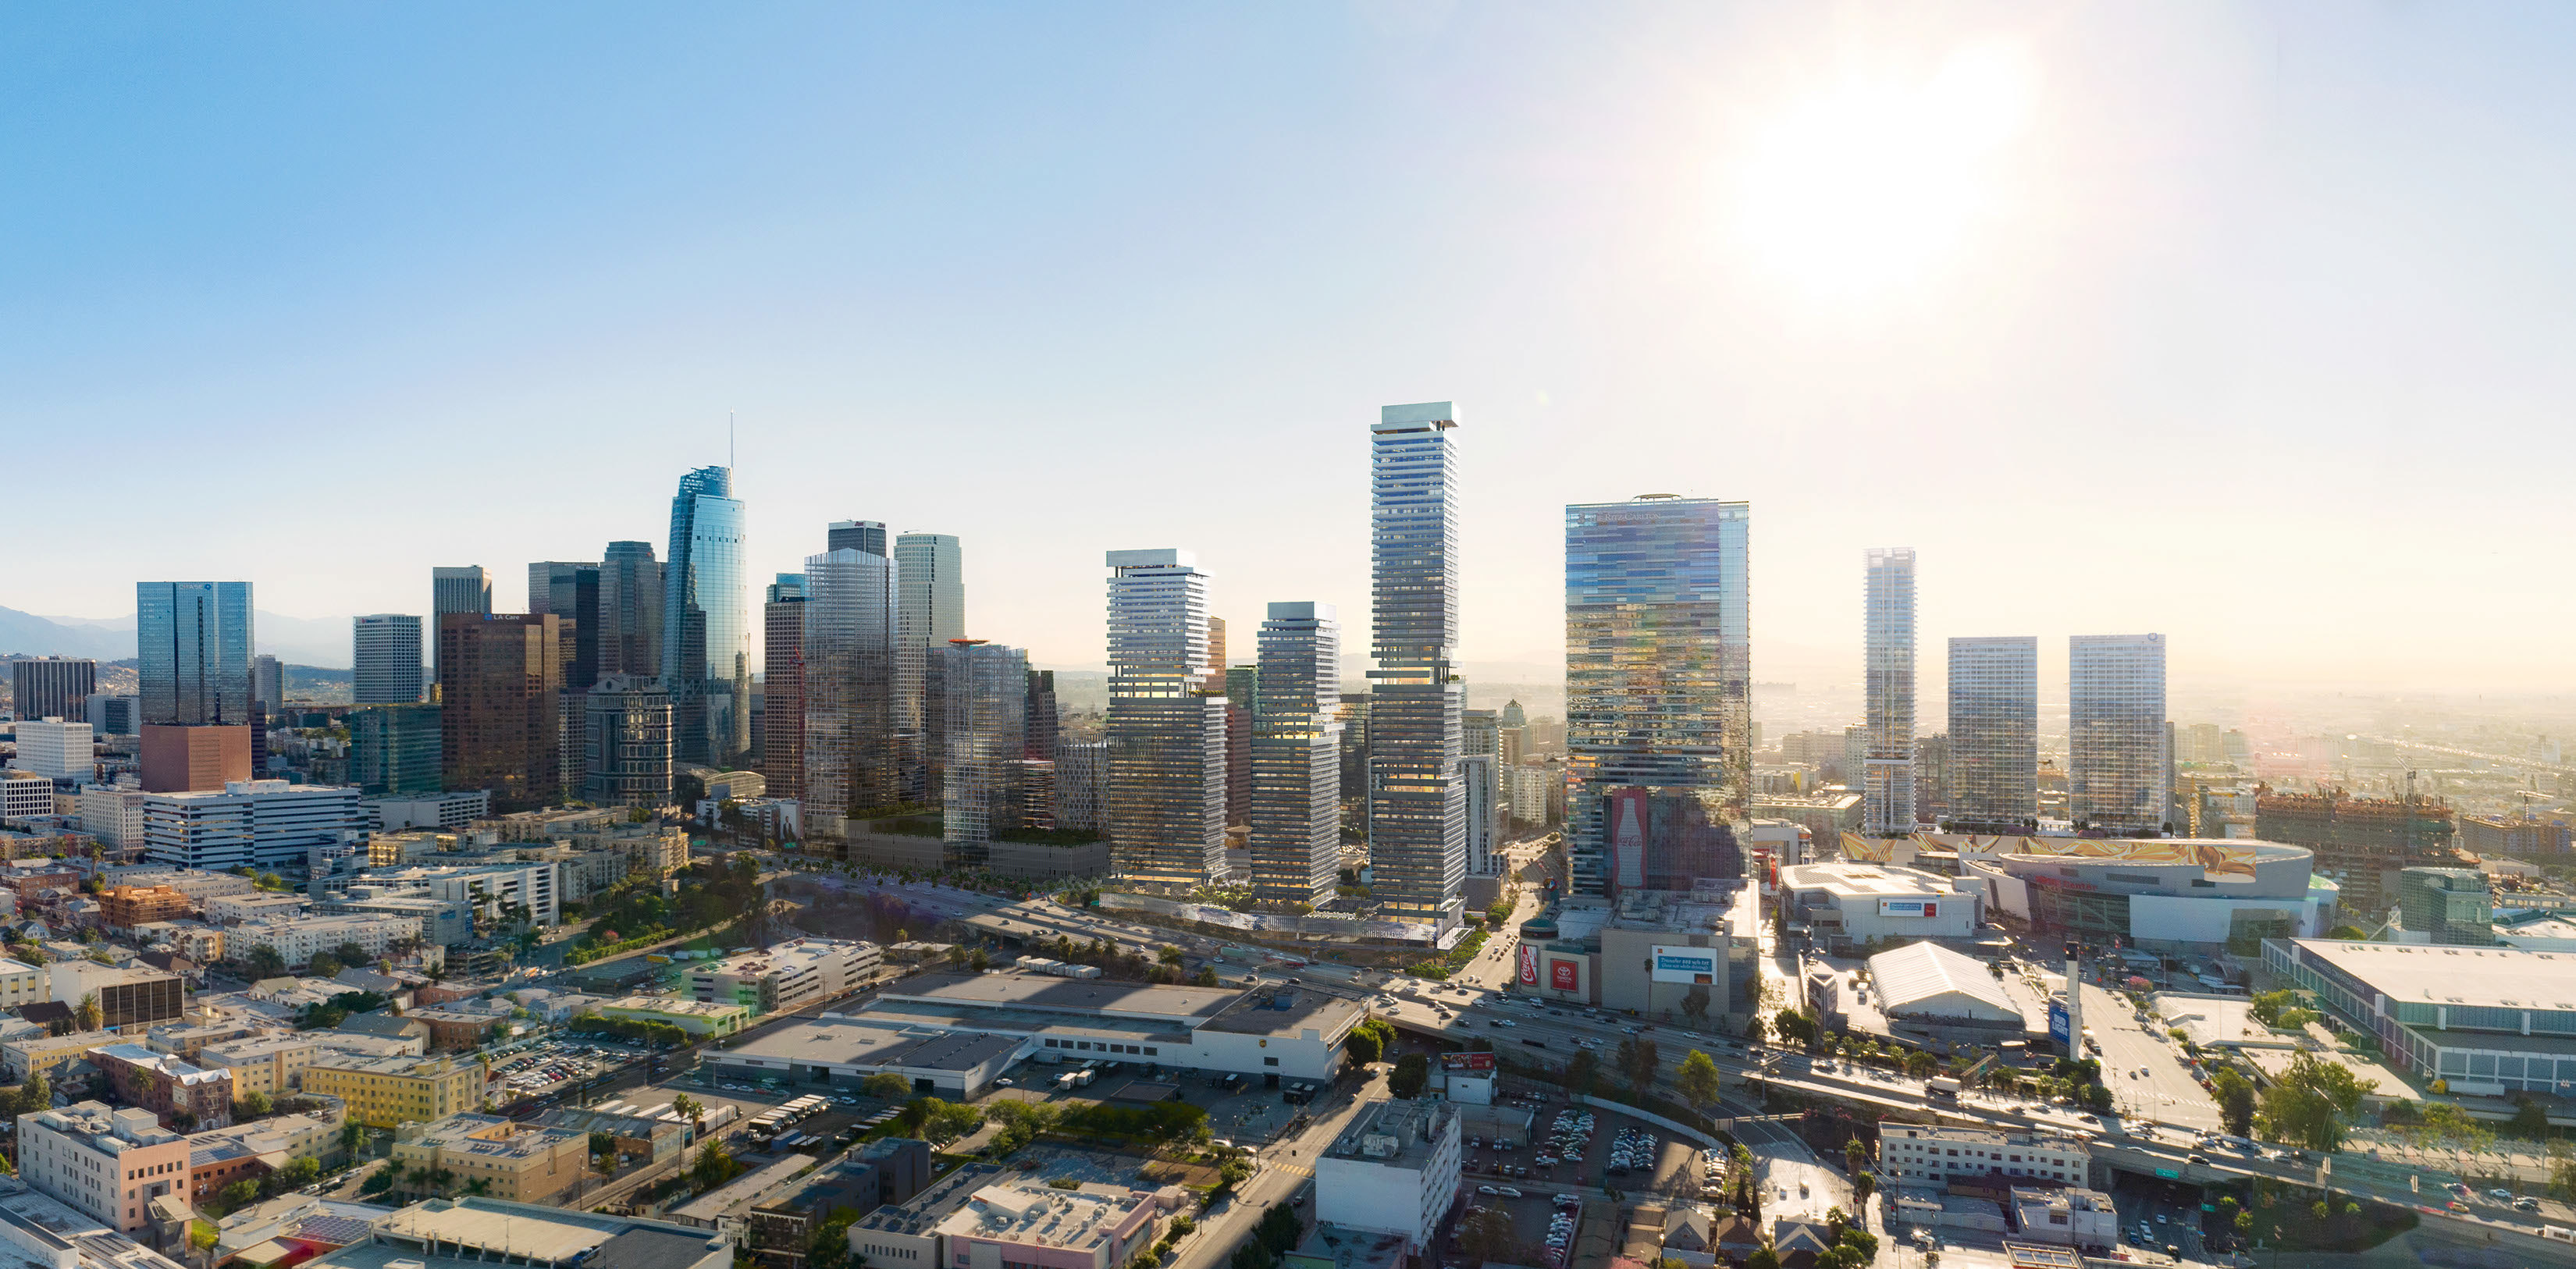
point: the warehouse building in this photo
(1927, 986)
(1848, 905)
(2489, 1020)
(1277, 1032)
(840, 1050)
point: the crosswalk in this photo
(1295, 1169)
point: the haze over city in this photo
(2207, 321)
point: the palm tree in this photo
(87, 1016)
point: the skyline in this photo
(2264, 275)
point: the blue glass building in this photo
(706, 625)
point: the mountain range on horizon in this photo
(316, 641)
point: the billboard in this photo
(2060, 1026)
(1529, 966)
(1683, 965)
(1564, 975)
(1909, 907)
(1466, 1061)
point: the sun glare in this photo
(1866, 186)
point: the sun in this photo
(1869, 185)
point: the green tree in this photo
(2235, 1096)
(2352, 933)
(87, 1016)
(1362, 1046)
(1582, 1072)
(251, 1105)
(2562, 1172)
(236, 1194)
(1855, 1156)
(714, 1167)
(2530, 1120)
(1754, 1029)
(1021, 1123)
(265, 962)
(324, 965)
(1636, 1061)
(2311, 1103)
(1486, 1235)
(887, 1086)
(1412, 1072)
(1920, 1064)
(1762, 1258)
(1698, 1080)
(202, 1236)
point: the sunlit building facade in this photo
(984, 691)
(1296, 784)
(193, 641)
(782, 687)
(1994, 734)
(501, 723)
(849, 683)
(1888, 686)
(385, 653)
(1166, 786)
(626, 736)
(1417, 807)
(930, 610)
(706, 629)
(630, 610)
(1658, 684)
(2119, 773)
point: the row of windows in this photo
(1087, 1046)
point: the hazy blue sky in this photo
(2249, 325)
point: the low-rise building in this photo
(258, 823)
(42, 1054)
(1018, 1223)
(259, 905)
(697, 1017)
(887, 1170)
(132, 999)
(270, 1065)
(1920, 1154)
(126, 907)
(478, 1233)
(451, 1031)
(167, 1086)
(113, 814)
(907, 1233)
(107, 1163)
(1394, 1169)
(1287, 1032)
(844, 1050)
(2078, 1218)
(788, 976)
(1848, 905)
(520, 1163)
(23, 984)
(650, 1138)
(298, 941)
(385, 1092)
(444, 922)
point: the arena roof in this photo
(1925, 979)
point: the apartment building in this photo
(126, 907)
(519, 1163)
(383, 1092)
(786, 977)
(1917, 1154)
(270, 1065)
(297, 941)
(22, 984)
(181, 1094)
(107, 1163)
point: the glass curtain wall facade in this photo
(849, 683)
(571, 592)
(931, 611)
(394, 749)
(465, 589)
(1888, 683)
(1296, 778)
(385, 651)
(1658, 684)
(706, 632)
(501, 708)
(193, 646)
(626, 738)
(1417, 806)
(630, 610)
(1166, 734)
(782, 687)
(985, 697)
(2119, 771)
(1994, 734)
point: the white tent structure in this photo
(1925, 981)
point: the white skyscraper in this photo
(1296, 813)
(1994, 734)
(2119, 773)
(1417, 806)
(385, 650)
(1888, 672)
(1166, 807)
(56, 749)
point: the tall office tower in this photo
(267, 685)
(782, 688)
(2119, 773)
(466, 589)
(1242, 706)
(851, 763)
(630, 610)
(385, 650)
(1081, 785)
(856, 535)
(626, 742)
(501, 706)
(1658, 694)
(194, 643)
(932, 612)
(1296, 837)
(52, 687)
(1166, 812)
(985, 693)
(706, 636)
(1039, 733)
(1888, 682)
(1513, 718)
(1481, 736)
(394, 749)
(1417, 809)
(1216, 656)
(1994, 734)
(571, 592)
(111, 714)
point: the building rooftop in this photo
(176, 1071)
(1921, 973)
(1395, 1133)
(1288, 1011)
(1177, 1006)
(2496, 977)
(43, 1233)
(489, 1137)
(102, 1129)
(676, 1004)
(934, 1203)
(787, 957)
(1024, 1212)
(477, 1231)
(1864, 881)
(849, 1040)
(741, 1192)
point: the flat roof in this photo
(1394, 1133)
(1863, 881)
(521, 1230)
(1286, 1010)
(853, 1040)
(1175, 1003)
(1919, 972)
(2495, 977)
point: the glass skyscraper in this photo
(984, 690)
(782, 687)
(706, 628)
(386, 650)
(1166, 811)
(193, 644)
(931, 610)
(1658, 692)
(1994, 734)
(464, 588)
(501, 706)
(1296, 793)
(1417, 804)
(394, 749)
(570, 591)
(1888, 685)
(630, 610)
(848, 679)
(2119, 773)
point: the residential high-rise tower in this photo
(706, 634)
(1994, 734)
(2119, 772)
(626, 741)
(1888, 685)
(1166, 812)
(1417, 807)
(1658, 692)
(984, 690)
(1296, 811)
